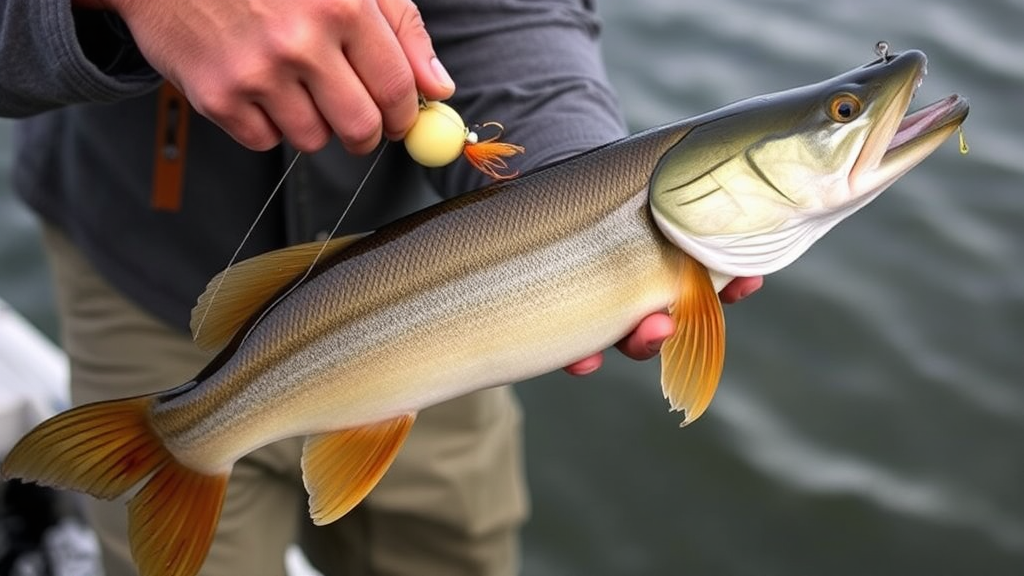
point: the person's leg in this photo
(118, 350)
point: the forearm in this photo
(53, 55)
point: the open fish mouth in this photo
(944, 115)
(900, 140)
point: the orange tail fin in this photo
(104, 449)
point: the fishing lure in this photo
(439, 136)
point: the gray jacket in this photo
(85, 152)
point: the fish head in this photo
(751, 186)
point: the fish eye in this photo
(844, 107)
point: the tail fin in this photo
(104, 449)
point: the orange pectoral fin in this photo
(693, 358)
(340, 468)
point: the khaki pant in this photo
(451, 504)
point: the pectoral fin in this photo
(340, 468)
(242, 289)
(692, 359)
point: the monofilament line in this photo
(323, 247)
(248, 233)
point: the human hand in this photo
(263, 69)
(645, 341)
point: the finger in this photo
(432, 79)
(645, 342)
(343, 101)
(376, 56)
(586, 366)
(740, 288)
(293, 110)
(243, 120)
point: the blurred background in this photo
(871, 416)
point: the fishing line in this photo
(234, 257)
(337, 225)
(323, 247)
(486, 155)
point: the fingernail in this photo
(441, 73)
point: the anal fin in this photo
(693, 358)
(340, 468)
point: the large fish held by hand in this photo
(497, 286)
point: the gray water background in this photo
(871, 416)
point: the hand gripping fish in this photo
(510, 281)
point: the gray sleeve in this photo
(52, 56)
(534, 66)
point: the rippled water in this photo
(871, 419)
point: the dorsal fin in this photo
(243, 288)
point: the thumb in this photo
(432, 80)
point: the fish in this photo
(510, 281)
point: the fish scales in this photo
(381, 329)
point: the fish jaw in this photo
(918, 135)
(752, 186)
